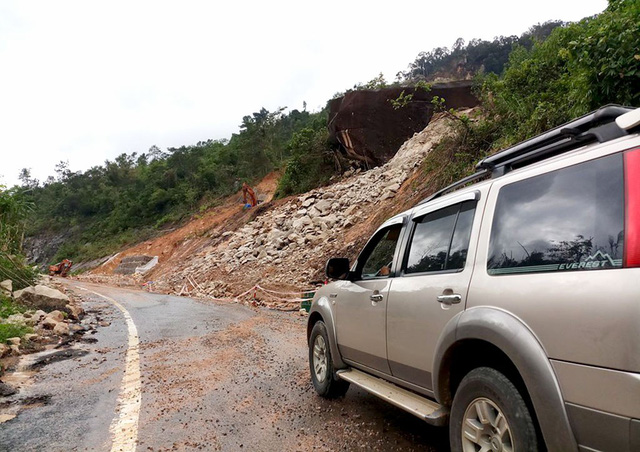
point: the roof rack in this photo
(599, 125)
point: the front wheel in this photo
(321, 364)
(489, 414)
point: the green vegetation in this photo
(552, 73)
(8, 307)
(126, 200)
(477, 56)
(311, 163)
(579, 68)
(8, 330)
(14, 211)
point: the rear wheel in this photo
(326, 383)
(489, 415)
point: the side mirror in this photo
(337, 268)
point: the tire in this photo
(475, 424)
(324, 379)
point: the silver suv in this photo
(508, 309)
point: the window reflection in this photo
(570, 219)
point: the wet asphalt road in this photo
(213, 377)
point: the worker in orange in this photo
(248, 195)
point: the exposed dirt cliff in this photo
(370, 129)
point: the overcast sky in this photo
(86, 81)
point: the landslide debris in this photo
(283, 245)
(286, 245)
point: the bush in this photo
(8, 330)
(577, 69)
(14, 268)
(311, 163)
(9, 307)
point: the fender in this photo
(515, 339)
(322, 307)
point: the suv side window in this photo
(441, 239)
(569, 219)
(379, 253)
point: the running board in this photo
(426, 409)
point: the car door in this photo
(361, 302)
(432, 287)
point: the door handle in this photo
(450, 299)
(376, 297)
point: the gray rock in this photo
(13, 341)
(31, 337)
(74, 311)
(324, 206)
(49, 323)
(330, 220)
(16, 319)
(41, 297)
(6, 287)
(302, 223)
(61, 329)
(393, 187)
(351, 210)
(38, 316)
(387, 195)
(6, 390)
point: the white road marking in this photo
(124, 427)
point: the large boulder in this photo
(41, 297)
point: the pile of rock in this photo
(50, 313)
(287, 236)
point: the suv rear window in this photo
(569, 219)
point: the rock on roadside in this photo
(6, 287)
(41, 297)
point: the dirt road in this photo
(169, 373)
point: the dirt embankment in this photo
(283, 245)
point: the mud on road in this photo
(213, 377)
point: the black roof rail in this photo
(598, 126)
(475, 176)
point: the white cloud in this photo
(85, 82)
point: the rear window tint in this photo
(569, 219)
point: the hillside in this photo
(182, 203)
(283, 245)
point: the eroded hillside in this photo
(283, 245)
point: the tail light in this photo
(632, 208)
